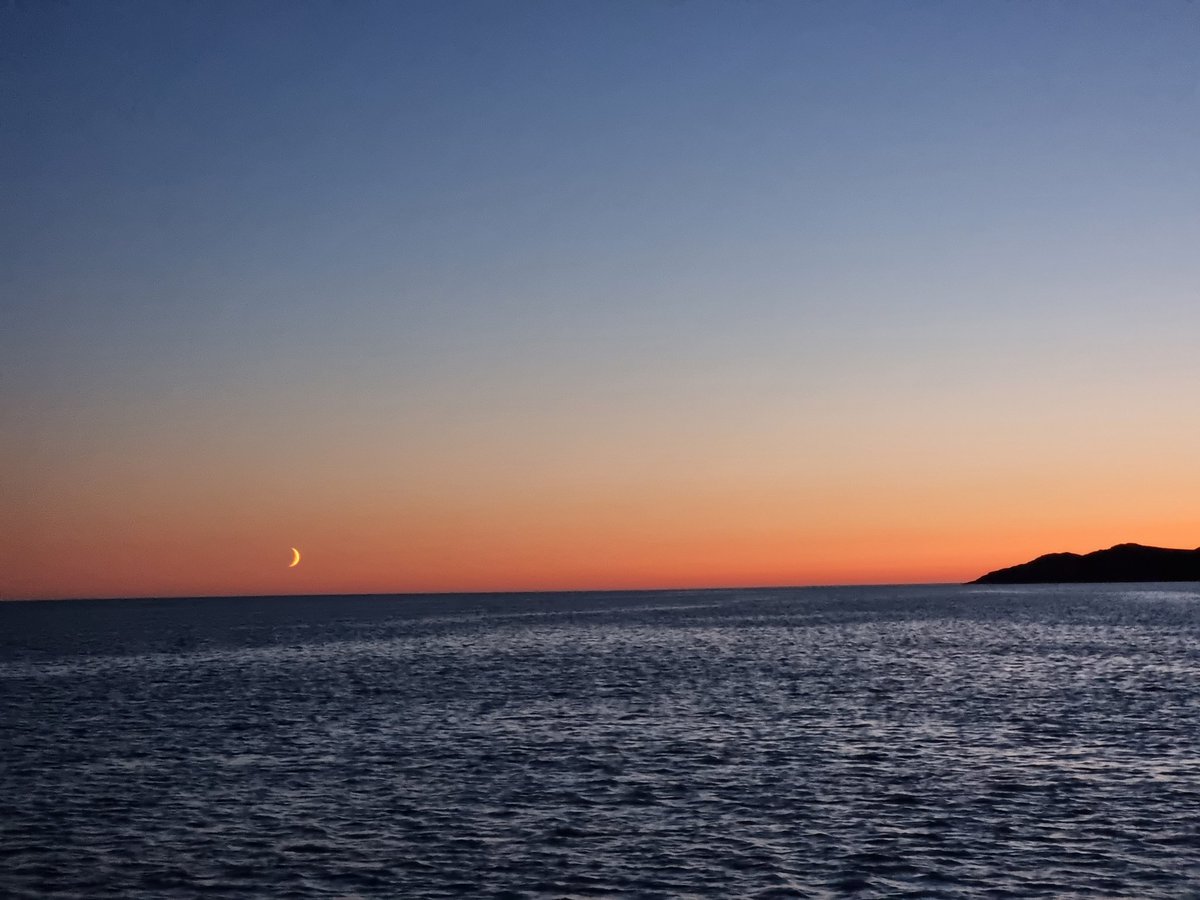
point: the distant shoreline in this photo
(1120, 564)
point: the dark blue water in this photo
(934, 742)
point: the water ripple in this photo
(932, 742)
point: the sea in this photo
(917, 741)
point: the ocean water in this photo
(876, 742)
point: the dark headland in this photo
(1124, 562)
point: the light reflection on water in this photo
(933, 741)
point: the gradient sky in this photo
(517, 295)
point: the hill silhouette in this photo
(1124, 562)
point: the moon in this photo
(296, 560)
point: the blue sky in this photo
(457, 166)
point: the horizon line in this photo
(506, 592)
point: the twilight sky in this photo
(515, 295)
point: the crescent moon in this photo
(296, 561)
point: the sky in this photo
(541, 295)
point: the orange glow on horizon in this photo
(896, 504)
(555, 556)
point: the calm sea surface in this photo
(912, 741)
